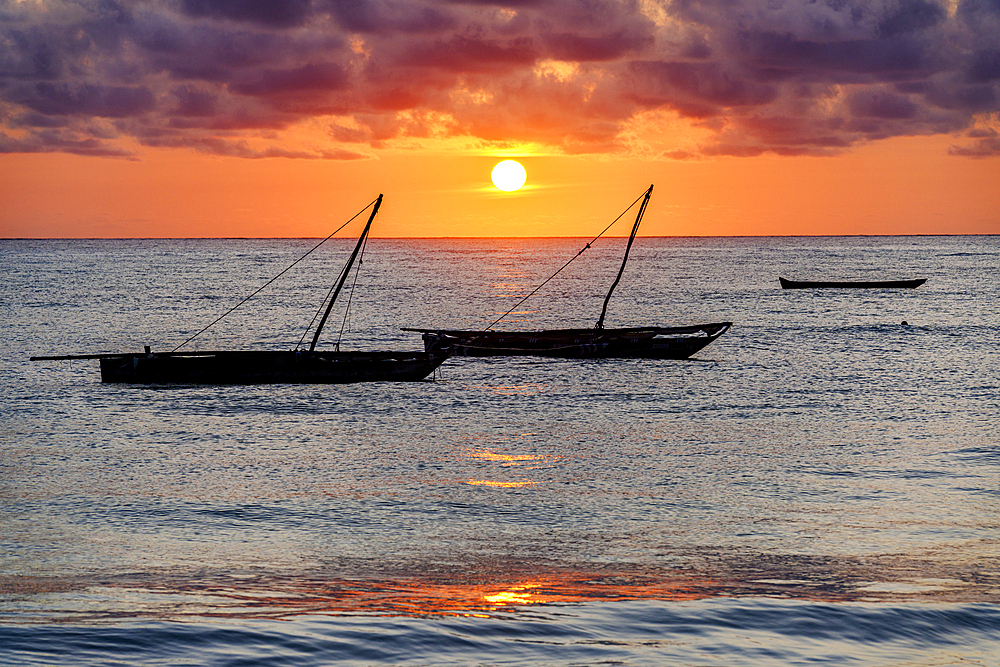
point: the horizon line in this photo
(461, 238)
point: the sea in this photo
(819, 486)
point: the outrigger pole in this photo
(631, 238)
(345, 273)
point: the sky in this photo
(258, 118)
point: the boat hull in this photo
(851, 284)
(637, 342)
(269, 367)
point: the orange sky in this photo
(898, 186)
(230, 118)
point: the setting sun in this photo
(509, 175)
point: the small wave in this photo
(723, 632)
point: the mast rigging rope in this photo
(261, 288)
(572, 259)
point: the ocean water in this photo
(821, 485)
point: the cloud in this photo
(985, 143)
(246, 77)
(283, 14)
(85, 99)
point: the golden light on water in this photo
(510, 459)
(513, 596)
(532, 461)
(410, 591)
(499, 485)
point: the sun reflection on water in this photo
(507, 461)
(515, 595)
(501, 485)
(512, 389)
(469, 590)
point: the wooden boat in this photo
(262, 366)
(631, 342)
(805, 284)
(269, 366)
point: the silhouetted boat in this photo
(630, 342)
(269, 366)
(804, 284)
(262, 366)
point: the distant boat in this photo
(804, 284)
(269, 366)
(631, 342)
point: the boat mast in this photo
(344, 274)
(631, 238)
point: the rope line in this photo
(319, 310)
(572, 259)
(261, 288)
(350, 297)
(333, 288)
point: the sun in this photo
(509, 175)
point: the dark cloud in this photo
(881, 104)
(816, 77)
(193, 101)
(783, 56)
(282, 83)
(985, 66)
(55, 142)
(911, 16)
(709, 85)
(85, 99)
(472, 55)
(276, 13)
(585, 48)
(389, 17)
(977, 12)
(985, 143)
